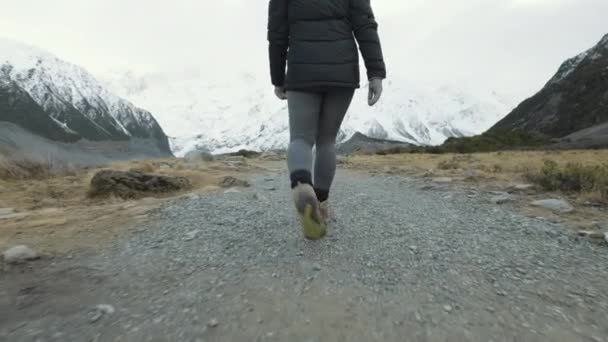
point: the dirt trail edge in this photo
(400, 264)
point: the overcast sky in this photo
(512, 46)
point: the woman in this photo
(315, 40)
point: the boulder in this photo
(128, 185)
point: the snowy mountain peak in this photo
(242, 112)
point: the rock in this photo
(428, 174)
(246, 153)
(230, 182)
(470, 174)
(447, 308)
(603, 226)
(501, 199)
(191, 235)
(271, 156)
(591, 234)
(557, 205)
(19, 254)
(316, 267)
(128, 185)
(198, 156)
(13, 216)
(6, 211)
(522, 187)
(442, 180)
(194, 197)
(99, 311)
(213, 323)
(232, 191)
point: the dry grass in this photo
(496, 166)
(53, 202)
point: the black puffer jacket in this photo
(316, 39)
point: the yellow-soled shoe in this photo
(307, 206)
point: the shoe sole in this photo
(312, 229)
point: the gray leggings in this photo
(314, 120)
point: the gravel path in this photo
(399, 264)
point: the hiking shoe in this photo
(307, 206)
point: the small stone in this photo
(316, 267)
(232, 191)
(414, 249)
(447, 308)
(260, 321)
(99, 311)
(591, 234)
(522, 187)
(501, 199)
(442, 180)
(105, 308)
(490, 309)
(213, 323)
(19, 254)
(557, 205)
(470, 174)
(194, 197)
(603, 226)
(191, 235)
(418, 317)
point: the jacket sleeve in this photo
(365, 29)
(278, 40)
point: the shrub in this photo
(573, 177)
(451, 164)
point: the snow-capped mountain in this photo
(242, 112)
(72, 99)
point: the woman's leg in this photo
(335, 106)
(304, 111)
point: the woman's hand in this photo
(280, 92)
(375, 91)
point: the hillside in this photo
(576, 98)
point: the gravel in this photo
(398, 264)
